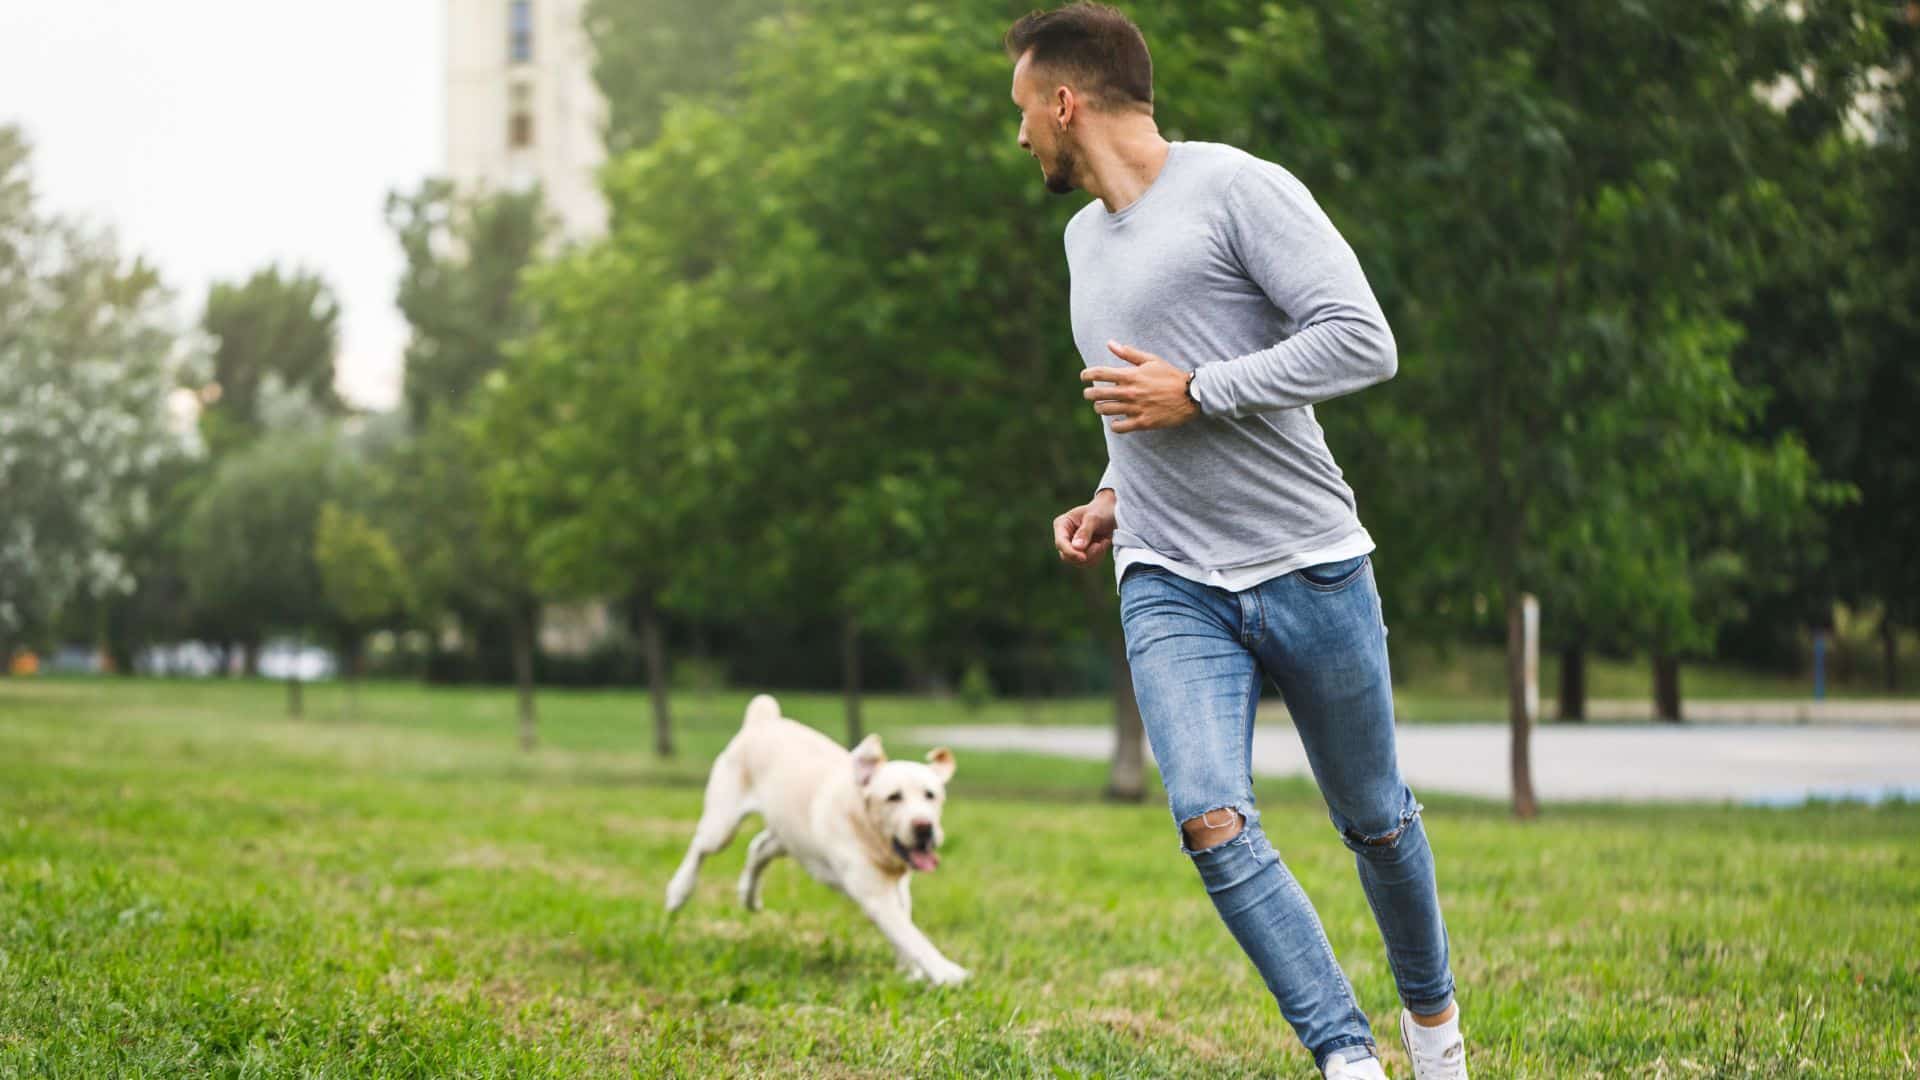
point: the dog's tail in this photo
(761, 709)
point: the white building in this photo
(522, 106)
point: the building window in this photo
(520, 118)
(520, 31)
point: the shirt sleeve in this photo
(1288, 246)
(1106, 480)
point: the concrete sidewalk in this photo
(1757, 764)
(1892, 712)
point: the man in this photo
(1215, 305)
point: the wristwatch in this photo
(1190, 397)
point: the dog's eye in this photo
(929, 796)
(895, 797)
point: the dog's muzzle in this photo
(921, 855)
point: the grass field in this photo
(191, 883)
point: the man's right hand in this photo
(1084, 533)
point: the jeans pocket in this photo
(1333, 576)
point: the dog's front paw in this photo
(944, 973)
(679, 891)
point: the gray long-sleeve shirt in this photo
(1227, 265)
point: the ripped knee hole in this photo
(1387, 839)
(1204, 832)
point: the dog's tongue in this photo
(923, 861)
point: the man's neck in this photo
(1120, 169)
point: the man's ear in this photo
(941, 761)
(867, 759)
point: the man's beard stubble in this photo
(1060, 179)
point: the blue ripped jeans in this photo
(1198, 653)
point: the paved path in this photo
(1888, 711)
(1765, 764)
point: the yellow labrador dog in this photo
(858, 823)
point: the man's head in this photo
(1075, 68)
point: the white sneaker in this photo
(1438, 1053)
(1367, 1068)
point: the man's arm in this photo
(1292, 251)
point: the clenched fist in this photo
(1084, 533)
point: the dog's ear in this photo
(941, 761)
(867, 759)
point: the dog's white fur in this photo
(856, 821)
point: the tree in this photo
(460, 288)
(1832, 318)
(157, 608)
(461, 294)
(275, 335)
(463, 561)
(87, 359)
(1880, 532)
(647, 53)
(249, 539)
(881, 384)
(591, 457)
(361, 577)
(1563, 213)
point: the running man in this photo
(1215, 305)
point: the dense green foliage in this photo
(248, 540)
(274, 339)
(87, 359)
(809, 405)
(840, 285)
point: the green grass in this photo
(191, 883)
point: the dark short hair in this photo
(1094, 46)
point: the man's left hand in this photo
(1147, 394)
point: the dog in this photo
(858, 823)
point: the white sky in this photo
(216, 136)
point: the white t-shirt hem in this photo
(1241, 578)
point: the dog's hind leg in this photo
(726, 805)
(765, 848)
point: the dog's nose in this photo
(923, 831)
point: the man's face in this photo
(1041, 131)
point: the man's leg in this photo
(1328, 654)
(1197, 683)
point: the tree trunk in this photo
(1666, 687)
(350, 646)
(525, 630)
(1126, 778)
(850, 676)
(250, 659)
(295, 705)
(121, 653)
(1890, 651)
(1573, 683)
(1126, 781)
(653, 644)
(1519, 708)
